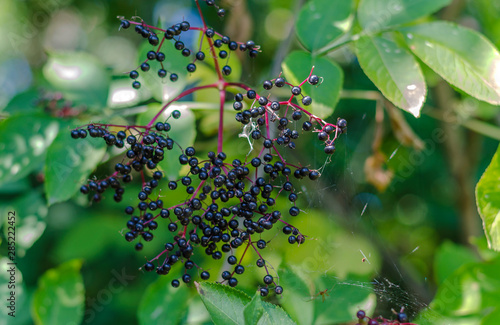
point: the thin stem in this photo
(220, 138)
(337, 44)
(181, 95)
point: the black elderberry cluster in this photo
(225, 210)
(282, 114)
(145, 149)
(223, 44)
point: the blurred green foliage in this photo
(404, 247)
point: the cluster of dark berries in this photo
(224, 210)
(153, 39)
(144, 149)
(223, 44)
(401, 318)
(282, 113)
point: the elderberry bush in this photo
(230, 202)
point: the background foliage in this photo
(393, 220)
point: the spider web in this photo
(392, 284)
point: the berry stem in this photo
(220, 136)
(181, 95)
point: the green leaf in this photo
(23, 102)
(162, 89)
(22, 296)
(31, 211)
(488, 201)
(342, 300)
(261, 312)
(274, 314)
(68, 164)
(60, 296)
(463, 57)
(225, 304)
(297, 293)
(254, 310)
(469, 291)
(492, 317)
(105, 238)
(80, 76)
(325, 96)
(183, 132)
(162, 302)
(25, 138)
(376, 15)
(322, 21)
(449, 257)
(394, 71)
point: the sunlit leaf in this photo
(375, 15)
(80, 76)
(463, 57)
(394, 71)
(224, 304)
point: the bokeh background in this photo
(395, 247)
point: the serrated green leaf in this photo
(376, 15)
(25, 139)
(254, 310)
(297, 66)
(394, 71)
(488, 201)
(322, 21)
(463, 57)
(183, 132)
(81, 77)
(225, 304)
(60, 296)
(162, 303)
(274, 314)
(68, 164)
